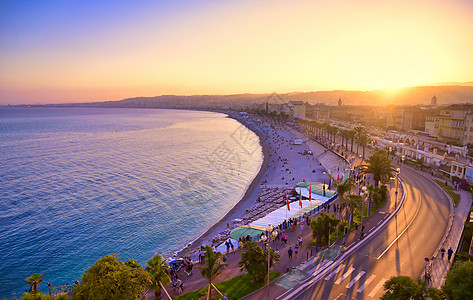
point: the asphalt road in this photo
(397, 250)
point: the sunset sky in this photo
(81, 51)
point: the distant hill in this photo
(404, 96)
(446, 94)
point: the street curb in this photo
(449, 227)
(343, 256)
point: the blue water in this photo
(80, 183)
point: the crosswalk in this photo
(342, 273)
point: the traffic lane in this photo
(424, 233)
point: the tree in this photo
(255, 261)
(405, 288)
(379, 165)
(351, 135)
(212, 267)
(34, 281)
(352, 202)
(459, 281)
(321, 227)
(343, 188)
(363, 140)
(159, 274)
(359, 131)
(109, 278)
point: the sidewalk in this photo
(439, 265)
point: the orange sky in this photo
(66, 54)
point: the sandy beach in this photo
(284, 165)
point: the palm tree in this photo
(379, 165)
(212, 267)
(353, 201)
(34, 281)
(359, 131)
(405, 288)
(363, 140)
(345, 136)
(321, 227)
(371, 191)
(343, 188)
(351, 135)
(160, 272)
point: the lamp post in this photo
(364, 192)
(273, 233)
(398, 171)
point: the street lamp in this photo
(264, 238)
(364, 192)
(398, 171)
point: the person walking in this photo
(289, 253)
(449, 253)
(443, 252)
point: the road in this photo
(397, 250)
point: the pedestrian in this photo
(296, 250)
(299, 239)
(443, 252)
(449, 253)
(240, 243)
(228, 245)
(231, 245)
(225, 297)
(302, 227)
(289, 252)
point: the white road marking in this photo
(357, 277)
(341, 295)
(335, 272)
(376, 288)
(347, 273)
(368, 281)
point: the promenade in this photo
(309, 259)
(312, 260)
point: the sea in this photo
(80, 183)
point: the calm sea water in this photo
(80, 183)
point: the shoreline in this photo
(256, 182)
(277, 150)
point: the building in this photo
(298, 108)
(468, 134)
(410, 118)
(319, 112)
(452, 123)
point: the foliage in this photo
(159, 274)
(363, 140)
(353, 201)
(379, 165)
(110, 278)
(450, 190)
(255, 261)
(459, 281)
(212, 266)
(35, 295)
(343, 188)
(236, 288)
(321, 227)
(34, 281)
(39, 296)
(405, 288)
